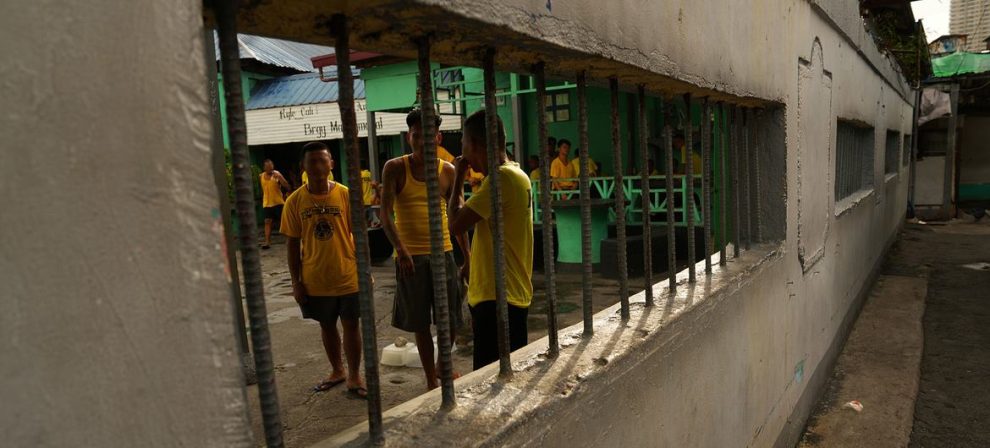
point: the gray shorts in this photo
(412, 309)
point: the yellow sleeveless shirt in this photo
(412, 219)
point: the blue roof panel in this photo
(296, 90)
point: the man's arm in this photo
(460, 218)
(450, 174)
(387, 218)
(295, 269)
(281, 180)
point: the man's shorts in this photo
(326, 309)
(274, 213)
(412, 309)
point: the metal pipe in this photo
(723, 177)
(758, 148)
(546, 205)
(620, 202)
(706, 181)
(497, 229)
(373, 147)
(585, 187)
(736, 205)
(746, 118)
(689, 187)
(644, 176)
(438, 264)
(671, 205)
(348, 121)
(226, 16)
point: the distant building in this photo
(949, 43)
(969, 17)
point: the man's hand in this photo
(299, 293)
(406, 267)
(461, 165)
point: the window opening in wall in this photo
(890, 153)
(854, 159)
(906, 151)
(558, 107)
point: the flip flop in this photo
(358, 393)
(265, 247)
(328, 384)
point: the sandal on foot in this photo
(327, 384)
(358, 393)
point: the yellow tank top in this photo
(412, 217)
(271, 192)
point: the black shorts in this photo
(326, 309)
(274, 213)
(412, 309)
(485, 322)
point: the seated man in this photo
(560, 167)
(517, 221)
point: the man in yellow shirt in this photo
(323, 266)
(576, 166)
(406, 220)
(369, 189)
(272, 184)
(560, 167)
(533, 163)
(517, 221)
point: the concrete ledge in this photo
(492, 412)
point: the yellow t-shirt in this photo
(535, 174)
(412, 214)
(444, 155)
(323, 224)
(559, 170)
(271, 192)
(576, 167)
(305, 178)
(698, 164)
(367, 191)
(517, 221)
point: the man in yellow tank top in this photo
(323, 266)
(405, 219)
(272, 184)
(517, 222)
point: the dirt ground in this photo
(300, 362)
(941, 399)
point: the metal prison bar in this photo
(734, 147)
(438, 264)
(644, 173)
(586, 305)
(494, 182)
(549, 274)
(671, 240)
(723, 145)
(706, 180)
(620, 201)
(226, 13)
(746, 118)
(348, 121)
(689, 172)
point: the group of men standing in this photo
(323, 264)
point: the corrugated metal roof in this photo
(960, 63)
(277, 52)
(296, 90)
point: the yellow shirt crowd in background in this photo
(271, 191)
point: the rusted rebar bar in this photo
(230, 63)
(736, 196)
(435, 207)
(546, 206)
(723, 178)
(689, 186)
(706, 181)
(644, 188)
(759, 146)
(619, 196)
(497, 228)
(671, 208)
(348, 121)
(585, 199)
(747, 201)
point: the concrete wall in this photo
(115, 322)
(740, 359)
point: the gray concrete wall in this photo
(740, 359)
(115, 324)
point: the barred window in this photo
(854, 159)
(891, 152)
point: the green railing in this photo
(603, 187)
